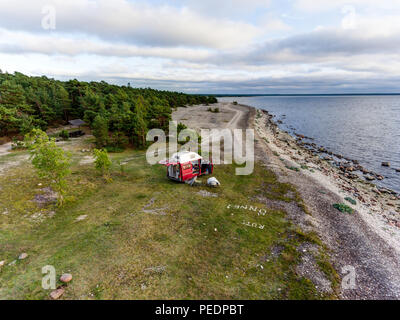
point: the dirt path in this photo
(5, 148)
(351, 240)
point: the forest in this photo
(116, 114)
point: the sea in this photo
(361, 127)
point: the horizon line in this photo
(297, 94)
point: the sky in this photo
(208, 46)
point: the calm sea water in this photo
(365, 128)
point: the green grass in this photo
(110, 252)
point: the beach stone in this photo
(370, 178)
(385, 164)
(66, 277)
(380, 177)
(82, 217)
(23, 256)
(398, 170)
(56, 294)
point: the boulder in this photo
(66, 277)
(370, 178)
(398, 170)
(56, 294)
(385, 164)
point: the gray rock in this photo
(48, 197)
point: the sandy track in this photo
(351, 240)
(5, 148)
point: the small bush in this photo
(343, 208)
(102, 161)
(64, 134)
(351, 200)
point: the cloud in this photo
(130, 22)
(18, 42)
(207, 46)
(328, 5)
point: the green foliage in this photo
(343, 208)
(50, 161)
(64, 134)
(351, 200)
(181, 127)
(102, 161)
(36, 102)
(100, 131)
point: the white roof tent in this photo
(185, 156)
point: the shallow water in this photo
(365, 128)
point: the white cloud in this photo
(121, 20)
(200, 44)
(327, 5)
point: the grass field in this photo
(146, 237)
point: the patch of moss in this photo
(351, 200)
(343, 208)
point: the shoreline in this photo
(371, 200)
(367, 240)
(369, 197)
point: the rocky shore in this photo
(379, 206)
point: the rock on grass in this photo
(66, 277)
(56, 294)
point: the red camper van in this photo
(185, 166)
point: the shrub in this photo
(50, 161)
(102, 161)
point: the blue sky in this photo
(225, 46)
